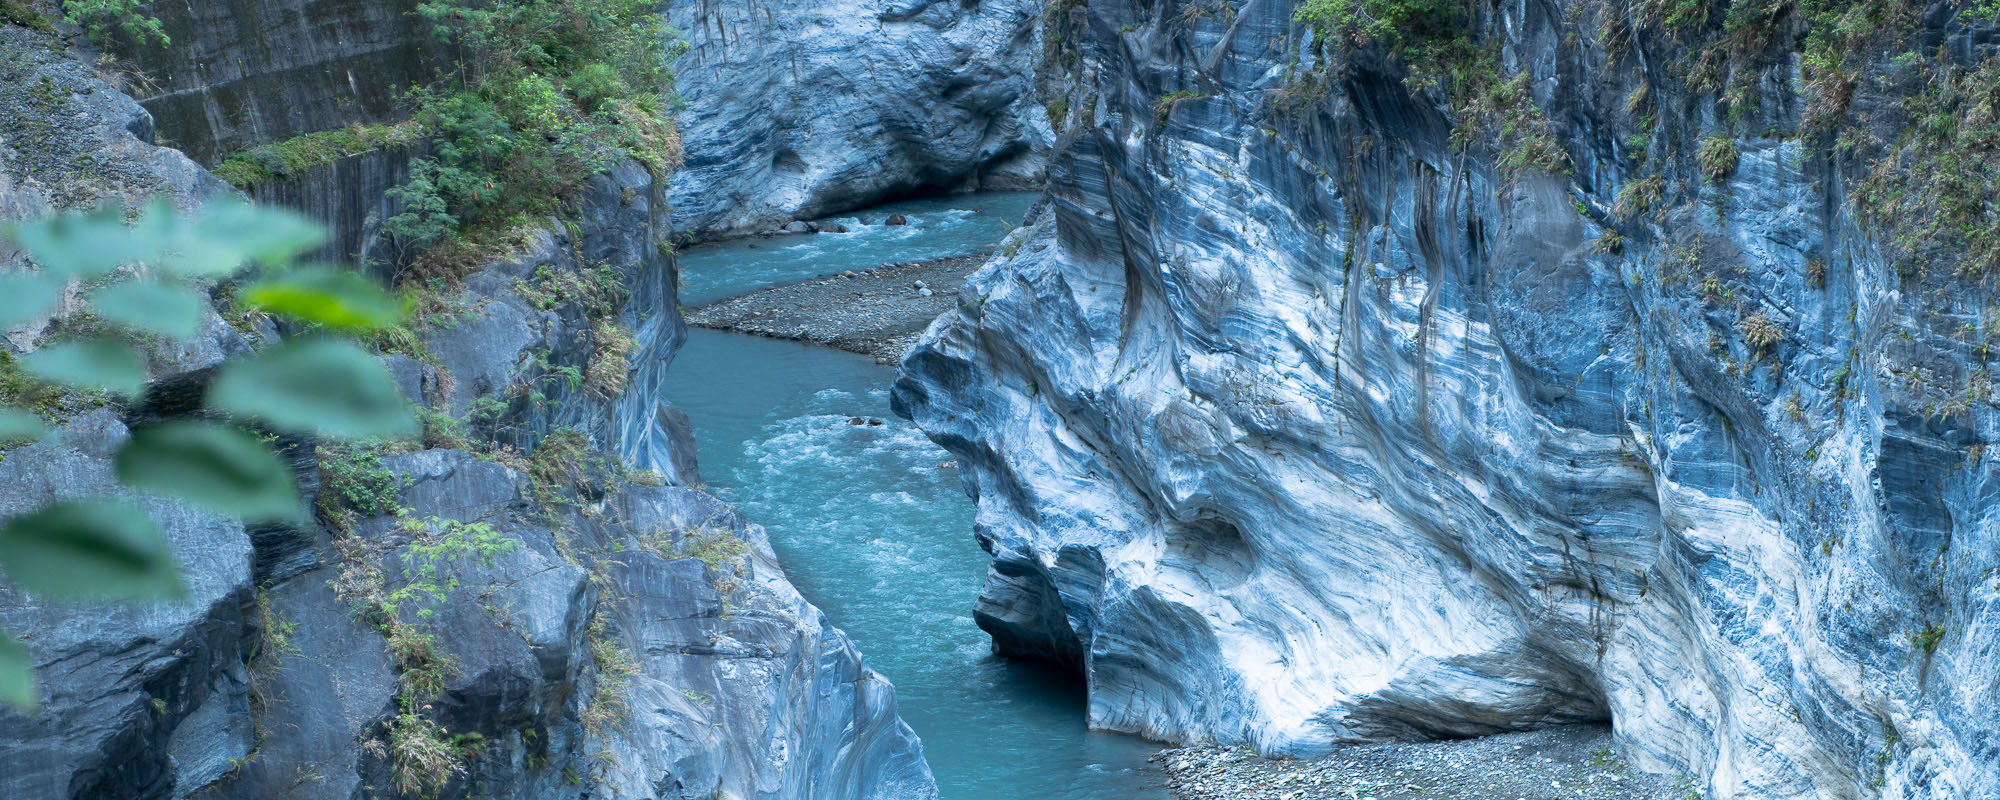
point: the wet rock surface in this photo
(247, 72)
(798, 108)
(878, 312)
(1575, 762)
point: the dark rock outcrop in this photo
(136, 702)
(1295, 421)
(600, 638)
(639, 644)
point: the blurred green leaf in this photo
(170, 311)
(17, 676)
(229, 233)
(323, 386)
(96, 548)
(25, 296)
(331, 297)
(90, 245)
(20, 426)
(90, 364)
(210, 465)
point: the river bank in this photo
(878, 312)
(1573, 762)
(871, 521)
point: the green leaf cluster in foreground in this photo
(144, 276)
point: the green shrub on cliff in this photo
(542, 95)
(1717, 157)
(247, 169)
(99, 18)
(1428, 36)
(1937, 189)
(20, 12)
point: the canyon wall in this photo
(611, 631)
(1322, 404)
(241, 73)
(797, 108)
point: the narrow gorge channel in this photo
(995, 399)
(871, 519)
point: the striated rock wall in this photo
(350, 197)
(246, 72)
(1295, 420)
(797, 108)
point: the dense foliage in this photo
(543, 94)
(100, 18)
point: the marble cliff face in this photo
(796, 108)
(1296, 421)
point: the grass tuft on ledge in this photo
(249, 168)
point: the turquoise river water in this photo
(872, 522)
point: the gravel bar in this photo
(1573, 762)
(880, 312)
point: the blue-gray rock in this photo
(522, 337)
(798, 108)
(136, 701)
(740, 688)
(1291, 422)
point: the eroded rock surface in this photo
(797, 108)
(635, 642)
(1294, 422)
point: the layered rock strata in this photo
(1313, 412)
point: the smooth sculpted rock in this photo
(797, 108)
(1295, 422)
